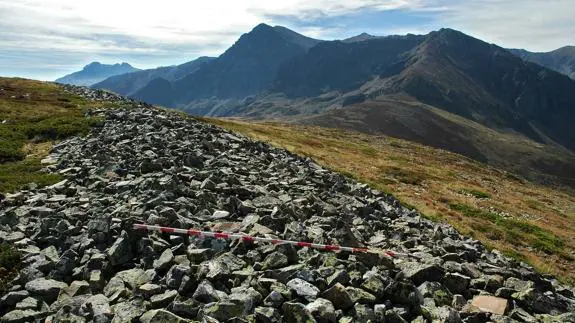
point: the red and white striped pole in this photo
(237, 236)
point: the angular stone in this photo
(267, 315)
(128, 311)
(223, 310)
(120, 252)
(340, 276)
(162, 300)
(19, 316)
(48, 289)
(419, 272)
(322, 310)
(98, 306)
(363, 313)
(275, 260)
(206, 293)
(197, 256)
(274, 299)
(303, 288)
(360, 296)
(296, 313)
(148, 290)
(165, 261)
(175, 276)
(164, 316)
(12, 298)
(339, 297)
(456, 283)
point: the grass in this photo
(476, 193)
(34, 115)
(527, 221)
(9, 264)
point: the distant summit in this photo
(359, 38)
(96, 72)
(561, 60)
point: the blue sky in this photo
(45, 39)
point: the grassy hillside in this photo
(530, 222)
(33, 115)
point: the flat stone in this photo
(490, 304)
(48, 289)
(162, 300)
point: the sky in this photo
(46, 39)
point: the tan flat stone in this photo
(490, 304)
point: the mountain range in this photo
(445, 89)
(96, 72)
(561, 60)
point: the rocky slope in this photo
(84, 262)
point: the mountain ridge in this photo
(96, 72)
(272, 72)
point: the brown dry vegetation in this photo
(530, 222)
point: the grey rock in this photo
(98, 307)
(339, 297)
(165, 261)
(419, 273)
(19, 316)
(48, 289)
(296, 312)
(206, 293)
(363, 313)
(12, 298)
(303, 288)
(322, 310)
(456, 283)
(275, 260)
(162, 300)
(128, 311)
(120, 252)
(267, 315)
(153, 316)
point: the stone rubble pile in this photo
(83, 262)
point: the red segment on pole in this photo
(167, 230)
(331, 247)
(247, 238)
(275, 241)
(391, 254)
(304, 244)
(193, 232)
(141, 226)
(360, 250)
(221, 235)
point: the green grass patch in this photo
(533, 204)
(369, 151)
(513, 231)
(16, 175)
(405, 175)
(476, 193)
(10, 260)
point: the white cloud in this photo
(536, 25)
(150, 32)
